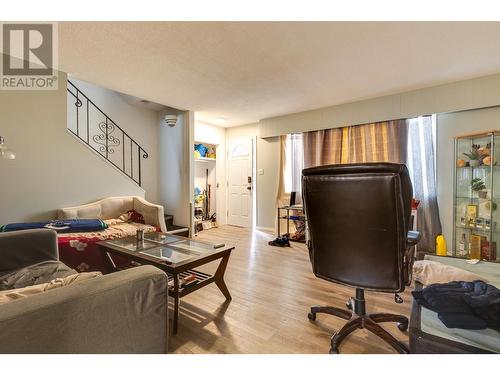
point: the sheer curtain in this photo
(421, 163)
(292, 163)
(290, 174)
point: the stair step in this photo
(178, 230)
(169, 220)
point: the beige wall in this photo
(462, 107)
(268, 156)
(52, 168)
(176, 167)
(458, 96)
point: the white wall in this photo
(217, 136)
(141, 124)
(450, 125)
(268, 158)
(52, 168)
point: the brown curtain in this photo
(377, 142)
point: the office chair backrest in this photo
(358, 217)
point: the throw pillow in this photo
(132, 215)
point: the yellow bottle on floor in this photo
(440, 245)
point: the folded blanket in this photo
(37, 273)
(61, 226)
(115, 228)
(15, 294)
(463, 304)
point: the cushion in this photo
(37, 273)
(11, 295)
(132, 215)
(429, 272)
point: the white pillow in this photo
(429, 272)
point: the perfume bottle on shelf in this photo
(474, 246)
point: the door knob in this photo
(249, 188)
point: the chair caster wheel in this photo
(403, 327)
(311, 316)
(334, 351)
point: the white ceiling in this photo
(246, 71)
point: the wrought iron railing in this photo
(103, 135)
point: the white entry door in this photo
(240, 182)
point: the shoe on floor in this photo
(281, 241)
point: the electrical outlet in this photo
(260, 172)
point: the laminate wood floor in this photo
(272, 289)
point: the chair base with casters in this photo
(357, 318)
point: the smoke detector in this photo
(171, 120)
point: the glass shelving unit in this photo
(477, 196)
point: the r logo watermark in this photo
(29, 56)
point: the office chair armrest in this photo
(413, 238)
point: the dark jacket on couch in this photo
(461, 304)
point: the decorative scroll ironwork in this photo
(106, 137)
(107, 140)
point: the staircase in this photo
(96, 130)
(175, 229)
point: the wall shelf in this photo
(205, 183)
(203, 159)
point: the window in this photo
(421, 162)
(422, 149)
(294, 163)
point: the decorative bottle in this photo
(461, 246)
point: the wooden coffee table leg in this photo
(176, 304)
(219, 277)
(109, 263)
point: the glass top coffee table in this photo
(177, 257)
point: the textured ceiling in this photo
(246, 71)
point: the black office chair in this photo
(358, 217)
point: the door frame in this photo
(253, 213)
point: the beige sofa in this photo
(113, 207)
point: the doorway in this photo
(240, 182)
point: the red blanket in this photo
(83, 255)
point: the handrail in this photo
(102, 137)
